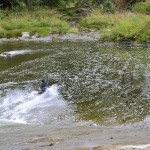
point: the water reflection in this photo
(103, 84)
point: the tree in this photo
(29, 4)
(5, 4)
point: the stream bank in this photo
(83, 37)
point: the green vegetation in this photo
(129, 27)
(119, 26)
(109, 18)
(142, 7)
(42, 21)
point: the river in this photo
(90, 83)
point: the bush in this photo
(40, 24)
(144, 35)
(61, 28)
(2, 32)
(130, 28)
(58, 26)
(96, 21)
(108, 6)
(43, 31)
(142, 7)
(11, 25)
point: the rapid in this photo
(104, 84)
(89, 82)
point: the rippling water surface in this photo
(90, 82)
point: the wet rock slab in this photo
(68, 137)
(92, 36)
(82, 37)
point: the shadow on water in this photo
(107, 85)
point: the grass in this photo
(43, 21)
(131, 27)
(117, 26)
(96, 20)
(142, 7)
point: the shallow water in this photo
(106, 85)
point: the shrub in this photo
(61, 28)
(142, 7)
(40, 24)
(58, 26)
(130, 28)
(42, 31)
(108, 6)
(11, 25)
(2, 32)
(96, 21)
(144, 34)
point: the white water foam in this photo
(21, 107)
(15, 52)
(4, 85)
(147, 119)
(136, 147)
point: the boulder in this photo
(25, 35)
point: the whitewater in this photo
(19, 106)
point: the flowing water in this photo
(89, 82)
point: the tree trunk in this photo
(29, 4)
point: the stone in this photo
(25, 35)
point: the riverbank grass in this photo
(112, 27)
(119, 26)
(42, 21)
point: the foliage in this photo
(108, 6)
(113, 26)
(37, 3)
(43, 21)
(58, 26)
(144, 34)
(2, 32)
(125, 4)
(142, 7)
(96, 20)
(131, 27)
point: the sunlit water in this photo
(88, 82)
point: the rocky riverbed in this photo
(83, 36)
(92, 36)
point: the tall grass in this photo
(43, 21)
(119, 26)
(131, 27)
(96, 21)
(142, 7)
